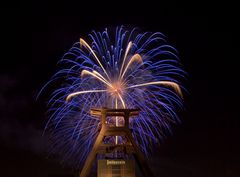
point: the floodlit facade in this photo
(116, 168)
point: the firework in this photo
(125, 70)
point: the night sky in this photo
(35, 36)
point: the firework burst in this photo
(125, 70)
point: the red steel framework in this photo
(130, 147)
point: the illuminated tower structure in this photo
(128, 147)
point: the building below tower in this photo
(116, 168)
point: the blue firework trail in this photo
(126, 70)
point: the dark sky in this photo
(35, 36)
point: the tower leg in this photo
(139, 157)
(92, 155)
